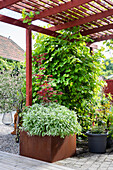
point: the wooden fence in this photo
(109, 87)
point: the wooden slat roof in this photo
(95, 17)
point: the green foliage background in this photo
(108, 69)
(8, 64)
(75, 71)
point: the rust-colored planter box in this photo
(47, 148)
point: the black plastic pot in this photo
(97, 142)
(109, 142)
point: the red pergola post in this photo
(28, 68)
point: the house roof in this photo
(9, 49)
(95, 17)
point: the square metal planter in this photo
(47, 148)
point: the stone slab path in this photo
(9, 161)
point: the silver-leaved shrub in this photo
(54, 120)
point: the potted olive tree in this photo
(49, 132)
(11, 96)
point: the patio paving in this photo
(83, 160)
(89, 161)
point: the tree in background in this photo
(12, 74)
(108, 68)
(109, 45)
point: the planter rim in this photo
(22, 130)
(95, 134)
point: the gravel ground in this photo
(7, 141)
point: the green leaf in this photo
(37, 12)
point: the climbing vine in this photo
(75, 71)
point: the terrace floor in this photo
(11, 161)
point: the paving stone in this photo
(85, 167)
(88, 163)
(93, 168)
(104, 166)
(110, 168)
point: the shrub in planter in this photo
(53, 127)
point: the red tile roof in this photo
(9, 49)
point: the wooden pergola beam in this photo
(6, 3)
(13, 21)
(85, 20)
(60, 8)
(44, 31)
(19, 23)
(96, 30)
(102, 38)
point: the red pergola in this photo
(95, 18)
